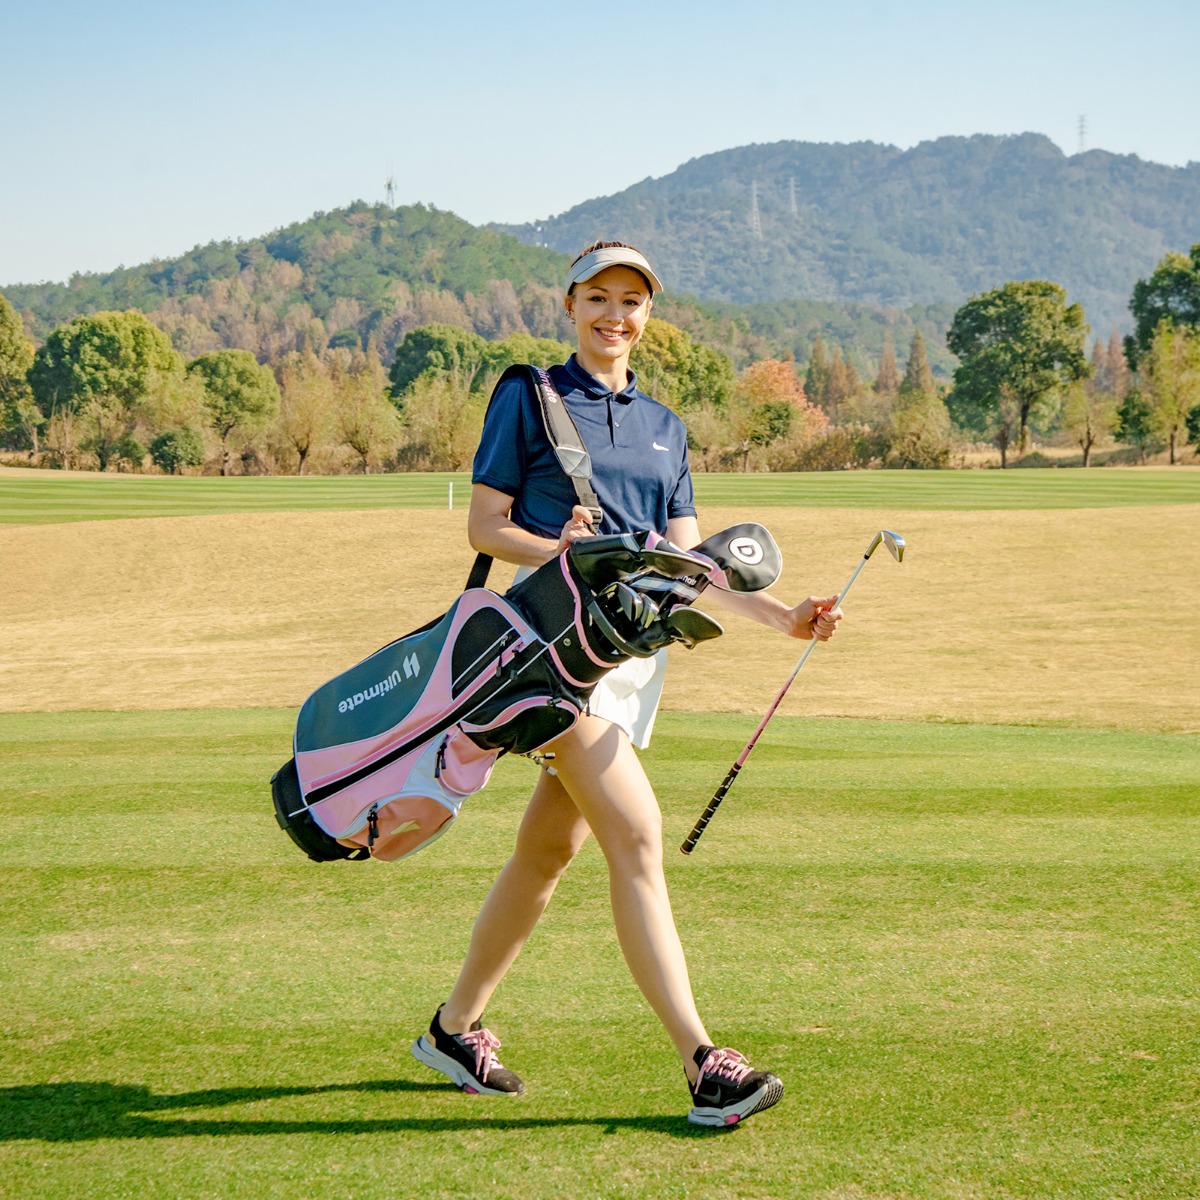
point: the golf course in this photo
(952, 900)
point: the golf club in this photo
(895, 544)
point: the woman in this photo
(519, 512)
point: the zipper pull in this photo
(440, 765)
(372, 826)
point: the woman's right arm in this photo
(491, 531)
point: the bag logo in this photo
(411, 667)
(746, 550)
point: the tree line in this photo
(111, 390)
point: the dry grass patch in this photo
(1083, 617)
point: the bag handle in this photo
(566, 443)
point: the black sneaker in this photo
(469, 1059)
(728, 1090)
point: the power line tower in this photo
(389, 190)
(1082, 133)
(792, 196)
(755, 222)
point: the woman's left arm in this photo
(815, 616)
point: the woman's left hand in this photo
(818, 617)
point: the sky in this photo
(135, 131)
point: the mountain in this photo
(884, 227)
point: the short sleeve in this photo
(682, 501)
(500, 460)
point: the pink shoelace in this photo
(724, 1064)
(485, 1044)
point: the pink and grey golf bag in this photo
(386, 752)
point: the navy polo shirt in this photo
(638, 449)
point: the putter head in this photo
(893, 541)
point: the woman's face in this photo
(610, 311)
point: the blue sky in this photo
(137, 130)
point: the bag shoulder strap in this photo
(565, 440)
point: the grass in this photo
(968, 949)
(39, 497)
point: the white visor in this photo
(615, 256)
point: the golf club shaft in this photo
(689, 843)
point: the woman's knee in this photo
(635, 843)
(546, 855)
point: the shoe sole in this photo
(426, 1052)
(770, 1093)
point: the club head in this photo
(893, 541)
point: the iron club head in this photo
(893, 541)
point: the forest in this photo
(368, 339)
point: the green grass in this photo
(970, 951)
(44, 496)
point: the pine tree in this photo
(887, 381)
(844, 388)
(816, 379)
(1118, 367)
(918, 377)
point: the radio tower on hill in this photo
(755, 223)
(1082, 134)
(389, 190)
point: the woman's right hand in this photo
(579, 526)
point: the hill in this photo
(370, 273)
(884, 227)
(364, 272)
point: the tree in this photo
(768, 404)
(919, 432)
(518, 348)
(1172, 293)
(20, 419)
(364, 418)
(887, 378)
(306, 404)
(918, 376)
(1193, 427)
(816, 378)
(440, 349)
(677, 370)
(239, 394)
(1018, 347)
(1088, 415)
(99, 370)
(442, 422)
(1171, 373)
(844, 387)
(175, 449)
(1135, 424)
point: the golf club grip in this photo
(689, 843)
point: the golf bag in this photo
(386, 752)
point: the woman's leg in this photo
(551, 832)
(605, 779)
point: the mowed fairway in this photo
(952, 898)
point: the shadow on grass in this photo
(80, 1112)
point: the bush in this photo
(841, 448)
(177, 448)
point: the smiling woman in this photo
(524, 511)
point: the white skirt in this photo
(629, 695)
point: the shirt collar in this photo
(594, 388)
